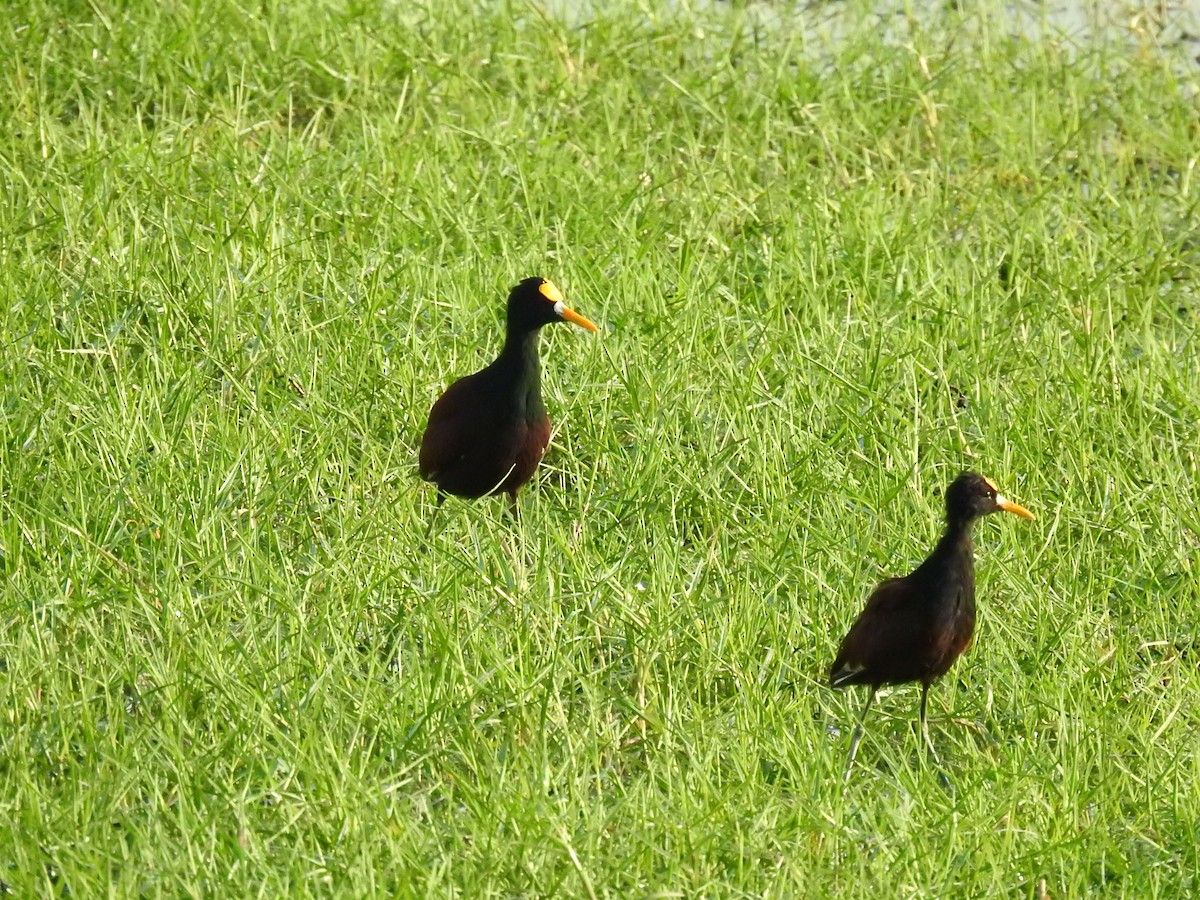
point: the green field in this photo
(834, 261)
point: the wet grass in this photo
(240, 255)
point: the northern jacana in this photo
(488, 431)
(914, 628)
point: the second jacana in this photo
(488, 431)
(914, 628)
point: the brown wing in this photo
(874, 636)
(453, 420)
(474, 444)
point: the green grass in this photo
(241, 252)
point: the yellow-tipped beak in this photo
(1017, 510)
(571, 316)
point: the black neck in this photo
(954, 548)
(521, 344)
(520, 358)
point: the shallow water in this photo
(1167, 24)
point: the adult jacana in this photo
(488, 431)
(914, 628)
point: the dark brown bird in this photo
(914, 628)
(488, 431)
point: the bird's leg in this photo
(441, 498)
(858, 733)
(520, 539)
(925, 710)
(925, 718)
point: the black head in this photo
(536, 302)
(971, 495)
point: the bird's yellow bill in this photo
(1008, 506)
(571, 316)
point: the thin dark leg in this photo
(858, 733)
(925, 717)
(513, 506)
(441, 498)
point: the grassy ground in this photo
(241, 251)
